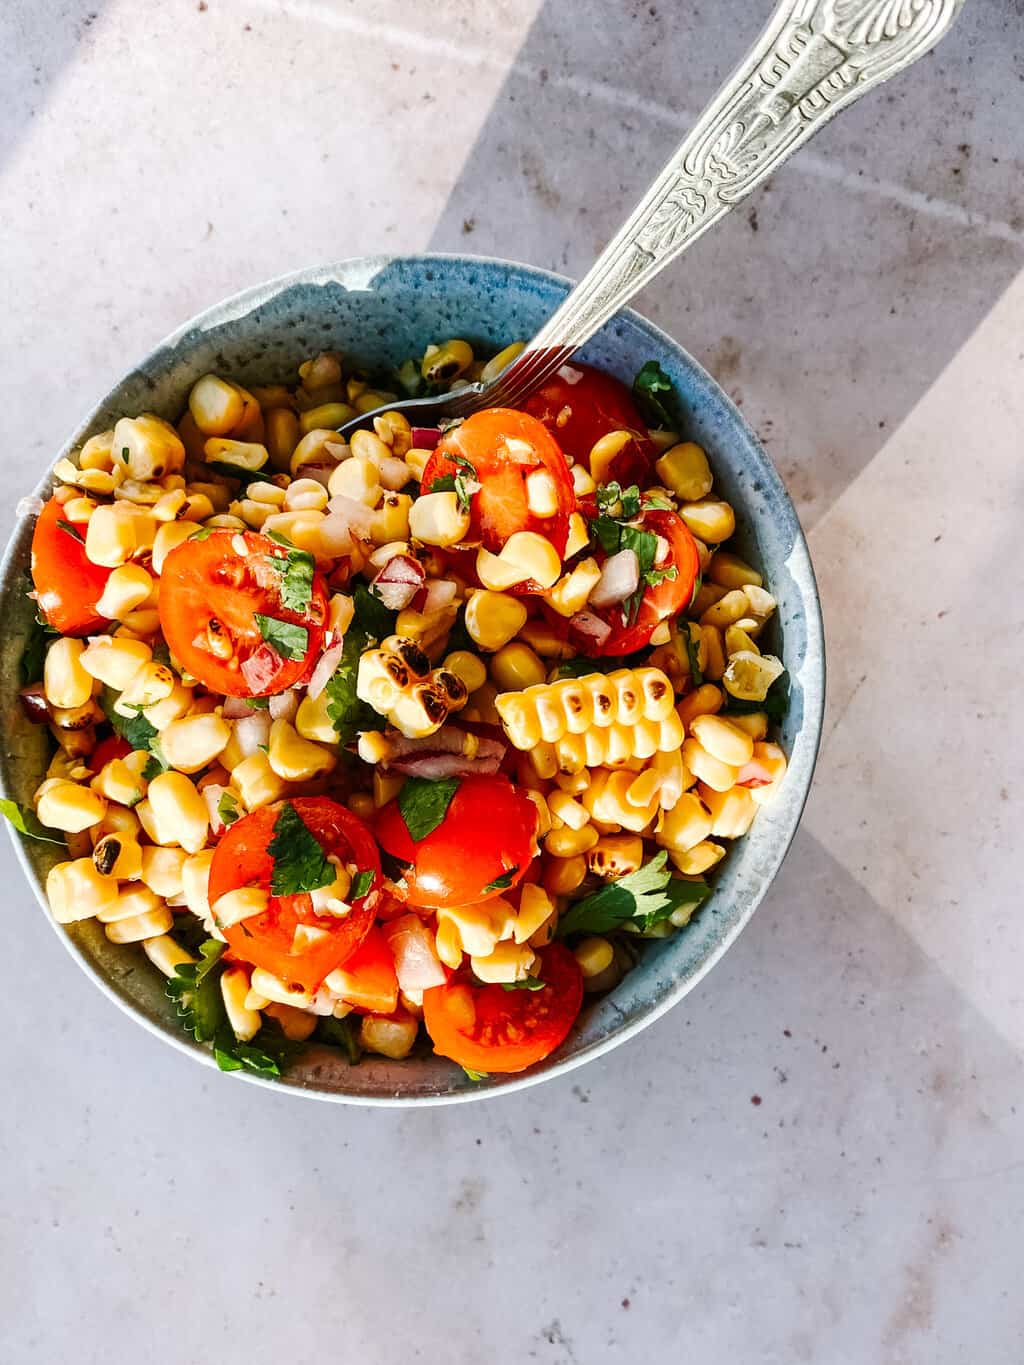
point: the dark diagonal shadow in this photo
(831, 301)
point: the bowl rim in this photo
(799, 563)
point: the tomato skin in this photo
(208, 579)
(662, 602)
(68, 584)
(489, 1029)
(579, 414)
(107, 750)
(241, 859)
(370, 980)
(500, 508)
(488, 830)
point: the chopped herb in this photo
(196, 992)
(529, 983)
(424, 803)
(656, 576)
(656, 502)
(346, 712)
(457, 483)
(300, 864)
(656, 398)
(648, 895)
(136, 730)
(232, 1054)
(205, 532)
(72, 531)
(290, 641)
(26, 822)
(125, 454)
(691, 655)
(258, 703)
(227, 809)
(775, 704)
(615, 501)
(230, 471)
(503, 882)
(157, 762)
(296, 570)
(579, 668)
(370, 614)
(361, 883)
(341, 1033)
(475, 1075)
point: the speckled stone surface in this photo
(815, 1157)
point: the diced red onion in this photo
(284, 705)
(34, 703)
(399, 581)
(356, 515)
(260, 669)
(334, 536)
(252, 731)
(235, 708)
(588, 631)
(436, 766)
(440, 592)
(425, 438)
(325, 669)
(620, 576)
(417, 965)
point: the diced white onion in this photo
(620, 576)
(325, 669)
(284, 705)
(252, 731)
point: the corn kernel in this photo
(582, 481)
(281, 992)
(501, 361)
(706, 700)
(391, 520)
(515, 666)
(467, 667)
(722, 740)
(163, 869)
(604, 451)
(241, 904)
(732, 572)
(701, 858)
(616, 855)
(593, 955)
(234, 987)
(579, 536)
(356, 479)
(258, 784)
(325, 415)
(714, 652)
(126, 588)
(68, 806)
(296, 759)
(749, 676)
(446, 362)
(437, 519)
(195, 881)
(570, 593)
(493, 618)
(685, 470)
(246, 456)
(727, 610)
(65, 681)
(165, 954)
(179, 812)
(508, 961)
(712, 771)
(709, 520)
(281, 436)
(312, 721)
(567, 842)
(216, 406)
(387, 1036)
(138, 928)
(192, 742)
(685, 825)
(732, 812)
(146, 447)
(76, 891)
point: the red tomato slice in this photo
(505, 446)
(241, 859)
(488, 833)
(667, 599)
(107, 750)
(68, 584)
(489, 1029)
(369, 979)
(207, 583)
(579, 414)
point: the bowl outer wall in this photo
(380, 310)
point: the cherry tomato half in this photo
(68, 584)
(488, 835)
(667, 599)
(210, 596)
(107, 750)
(490, 1029)
(579, 412)
(241, 859)
(504, 447)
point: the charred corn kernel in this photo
(146, 447)
(566, 842)
(722, 740)
(541, 493)
(138, 928)
(707, 769)
(76, 717)
(701, 858)
(169, 536)
(582, 482)
(300, 496)
(195, 881)
(727, 611)
(175, 705)
(446, 362)
(493, 618)
(516, 666)
(163, 869)
(608, 802)
(234, 987)
(281, 436)
(296, 759)
(616, 855)
(437, 519)
(507, 961)
(732, 572)
(165, 954)
(118, 855)
(133, 900)
(569, 811)
(561, 876)
(97, 453)
(685, 825)
(280, 992)
(749, 676)
(732, 812)
(770, 760)
(685, 470)
(257, 782)
(216, 406)
(68, 806)
(397, 682)
(356, 479)
(706, 700)
(179, 812)
(467, 667)
(570, 593)
(192, 742)
(77, 891)
(242, 904)
(386, 787)
(110, 537)
(448, 944)
(737, 641)
(709, 520)
(593, 955)
(312, 721)
(391, 520)
(325, 415)
(579, 536)
(591, 706)
(604, 451)
(247, 456)
(501, 361)
(65, 681)
(126, 588)
(388, 1036)
(714, 652)
(151, 683)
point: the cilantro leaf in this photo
(424, 803)
(300, 864)
(157, 762)
(195, 989)
(346, 712)
(70, 530)
(232, 1054)
(691, 655)
(232, 471)
(612, 496)
(26, 822)
(655, 396)
(679, 893)
(361, 884)
(341, 1033)
(33, 656)
(775, 704)
(296, 569)
(503, 882)
(136, 730)
(370, 614)
(644, 895)
(289, 640)
(476, 1075)
(227, 809)
(529, 983)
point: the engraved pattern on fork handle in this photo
(814, 58)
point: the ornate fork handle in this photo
(814, 58)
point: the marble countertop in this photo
(818, 1155)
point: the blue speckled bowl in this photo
(382, 309)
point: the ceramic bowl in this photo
(380, 310)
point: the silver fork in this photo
(815, 58)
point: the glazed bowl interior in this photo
(380, 310)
